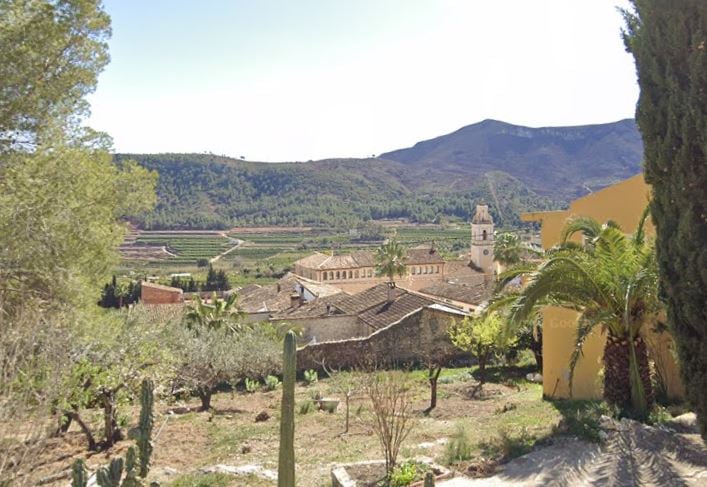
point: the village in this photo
(353, 244)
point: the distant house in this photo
(356, 271)
(152, 293)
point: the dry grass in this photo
(231, 436)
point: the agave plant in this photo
(611, 280)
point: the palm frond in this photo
(587, 226)
(586, 324)
(639, 236)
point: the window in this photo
(350, 274)
(483, 236)
(370, 272)
(414, 271)
(356, 274)
(337, 275)
(331, 275)
(437, 272)
(325, 276)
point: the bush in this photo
(403, 475)
(459, 448)
(271, 383)
(507, 446)
(306, 407)
(202, 262)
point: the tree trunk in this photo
(65, 419)
(433, 376)
(617, 371)
(86, 430)
(205, 396)
(347, 397)
(482, 357)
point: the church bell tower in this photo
(482, 239)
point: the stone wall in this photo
(330, 328)
(413, 339)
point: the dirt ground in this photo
(187, 442)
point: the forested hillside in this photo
(512, 168)
(206, 191)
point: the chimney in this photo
(391, 292)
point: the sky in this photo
(284, 80)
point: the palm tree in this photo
(220, 313)
(507, 249)
(611, 280)
(390, 262)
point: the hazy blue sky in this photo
(277, 80)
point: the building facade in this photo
(356, 272)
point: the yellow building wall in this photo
(624, 203)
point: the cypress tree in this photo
(668, 40)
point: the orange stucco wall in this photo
(624, 203)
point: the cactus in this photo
(286, 464)
(144, 440)
(110, 477)
(130, 479)
(79, 476)
(429, 479)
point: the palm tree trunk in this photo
(617, 371)
(617, 382)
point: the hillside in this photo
(205, 191)
(559, 162)
(512, 168)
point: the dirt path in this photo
(237, 243)
(632, 454)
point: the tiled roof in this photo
(273, 297)
(423, 255)
(466, 293)
(364, 300)
(386, 313)
(349, 261)
(317, 307)
(462, 269)
(161, 287)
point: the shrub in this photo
(459, 448)
(202, 262)
(306, 407)
(403, 475)
(507, 446)
(391, 401)
(251, 385)
(310, 377)
(271, 383)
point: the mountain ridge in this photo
(514, 168)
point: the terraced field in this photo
(188, 247)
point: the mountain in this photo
(511, 167)
(559, 162)
(207, 191)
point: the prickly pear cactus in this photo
(79, 476)
(286, 464)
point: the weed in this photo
(403, 475)
(582, 418)
(507, 446)
(306, 407)
(459, 448)
(203, 480)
